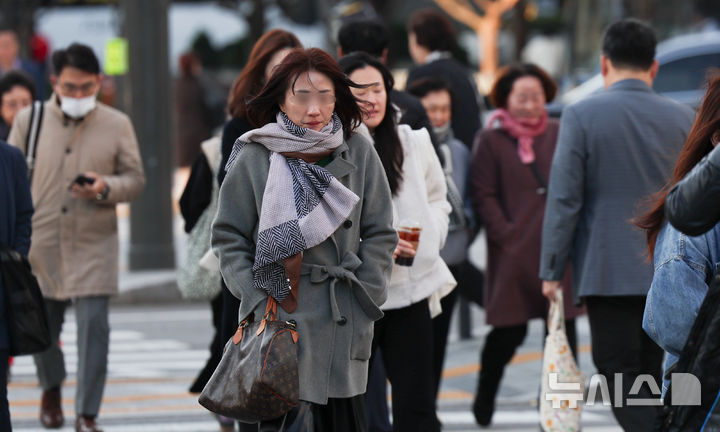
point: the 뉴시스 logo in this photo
(685, 391)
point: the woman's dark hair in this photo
(507, 76)
(630, 44)
(263, 108)
(78, 56)
(696, 146)
(433, 30)
(369, 36)
(422, 87)
(16, 78)
(387, 142)
(252, 78)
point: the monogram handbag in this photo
(257, 378)
(24, 305)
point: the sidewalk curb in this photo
(148, 288)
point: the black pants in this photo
(229, 314)
(405, 339)
(619, 345)
(4, 409)
(441, 326)
(500, 346)
(216, 347)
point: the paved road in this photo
(156, 351)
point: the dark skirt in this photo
(340, 414)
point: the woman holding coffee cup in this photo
(420, 277)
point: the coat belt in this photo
(344, 271)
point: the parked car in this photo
(685, 62)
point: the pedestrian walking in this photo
(193, 114)
(404, 334)
(10, 59)
(16, 210)
(16, 92)
(510, 170)
(436, 96)
(334, 245)
(372, 37)
(680, 260)
(431, 40)
(614, 148)
(87, 160)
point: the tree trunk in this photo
(488, 37)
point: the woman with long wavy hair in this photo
(684, 265)
(404, 334)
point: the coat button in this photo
(64, 209)
(347, 224)
(68, 150)
(342, 321)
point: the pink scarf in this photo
(523, 131)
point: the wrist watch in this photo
(104, 194)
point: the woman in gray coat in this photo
(306, 200)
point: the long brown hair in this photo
(697, 145)
(252, 78)
(263, 108)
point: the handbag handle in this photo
(556, 315)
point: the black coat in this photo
(465, 106)
(692, 204)
(16, 210)
(232, 130)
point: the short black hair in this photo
(422, 87)
(16, 78)
(78, 56)
(630, 44)
(433, 30)
(368, 36)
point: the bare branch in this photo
(506, 5)
(461, 12)
(483, 4)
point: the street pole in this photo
(151, 219)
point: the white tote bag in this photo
(563, 384)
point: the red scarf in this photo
(524, 131)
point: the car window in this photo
(684, 74)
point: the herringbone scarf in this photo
(303, 204)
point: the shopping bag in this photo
(563, 385)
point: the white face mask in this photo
(77, 108)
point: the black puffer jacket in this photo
(693, 205)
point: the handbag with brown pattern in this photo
(257, 378)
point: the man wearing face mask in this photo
(87, 160)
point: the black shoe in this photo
(483, 412)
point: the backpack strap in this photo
(31, 140)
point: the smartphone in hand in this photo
(82, 180)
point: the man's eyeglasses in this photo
(71, 89)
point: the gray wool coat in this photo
(343, 280)
(614, 149)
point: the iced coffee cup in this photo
(408, 230)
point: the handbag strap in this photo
(556, 315)
(542, 190)
(31, 140)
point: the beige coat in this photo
(74, 241)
